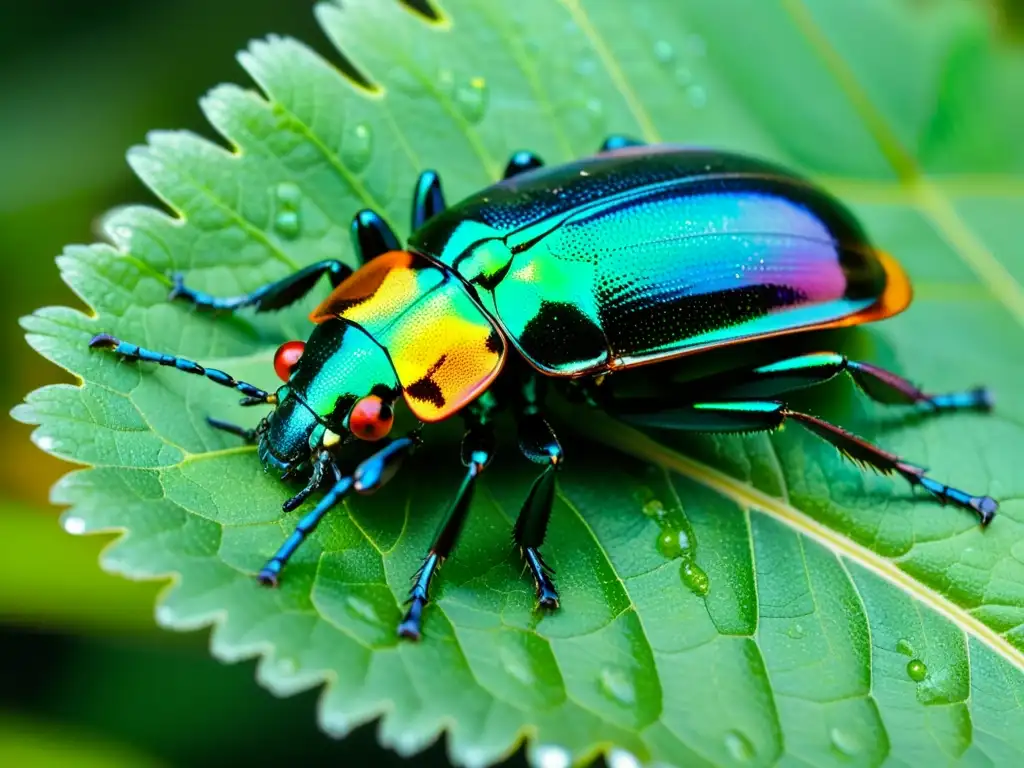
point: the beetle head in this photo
(340, 386)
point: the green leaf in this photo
(844, 620)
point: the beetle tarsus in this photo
(104, 341)
(547, 595)
(985, 507)
(977, 399)
(521, 162)
(270, 574)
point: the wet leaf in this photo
(725, 599)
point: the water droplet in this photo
(513, 661)
(620, 758)
(445, 81)
(287, 665)
(674, 542)
(654, 509)
(846, 744)
(164, 616)
(904, 647)
(916, 670)
(472, 99)
(796, 631)
(695, 46)
(617, 686)
(287, 224)
(357, 146)
(362, 609)
(44, 442)
(74, 525)
(586, 67)
(683, 76)
(697, 96)
(739, 747)
(664, 52)
(288, 194)
(694, 578)
(551, 756)
(643, 494)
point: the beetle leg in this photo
(539, 444)
(521, 162)
(877, 383)
(247, 435)
(477, 451)
(427, 199)
(273, 296)
(372, 473)
(618, 141)
(752, 415)
(371, 236)
(253, 395)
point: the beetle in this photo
(572, 276)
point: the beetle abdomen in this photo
(728, 249)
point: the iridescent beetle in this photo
(572, 275)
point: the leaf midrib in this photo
(930, 199)
(616, 435)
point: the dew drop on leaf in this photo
(73, 525)
(445, 81)
(796, 631)
(664, 52)
(288, 195)
(287, 224)
(643, 494)
(844, 743)
(164, 616)
(654, 509)
(595, 114)
(916, 670)
(361, 609)
(586, 67)
(674, 542)
(513, 662)
(739, 747)
(472, 99)
(287, 665)
(697, 96)
(694, 577)
(683, 76)
(357, 147)
(618, 687)
(551, 756)
(904, 647)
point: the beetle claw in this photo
(269, 575)
(103, 341)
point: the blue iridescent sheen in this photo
(646, 253)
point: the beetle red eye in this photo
(287, 357)
(371, 418)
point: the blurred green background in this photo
(87, 677)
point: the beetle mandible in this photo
(573, 276)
